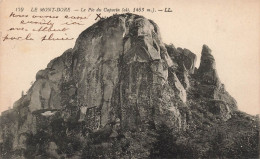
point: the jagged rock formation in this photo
(122, 93)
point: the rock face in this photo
(121, 93)
(207, 70)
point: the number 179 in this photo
(19, 9)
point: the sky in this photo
(229, 27)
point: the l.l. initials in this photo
(34, 9)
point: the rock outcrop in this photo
(120, 93)
(207, 71)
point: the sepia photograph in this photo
(111, 79)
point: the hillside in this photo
(121, 92)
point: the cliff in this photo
(122, 93)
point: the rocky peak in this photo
(119, 93)
(207, 70)
(207, 60)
